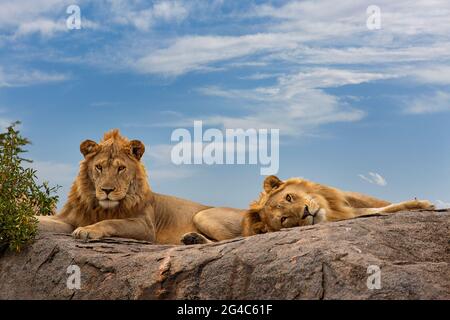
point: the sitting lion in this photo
(111, 197)
(299, 202)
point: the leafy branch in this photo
(21, 196)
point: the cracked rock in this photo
(326, 261)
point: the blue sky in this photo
(359, 109)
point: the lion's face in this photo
(111, 178)
(112, 168)
(289, 207)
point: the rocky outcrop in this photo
(402, 256)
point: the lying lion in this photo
(299, 202)
(111, 197)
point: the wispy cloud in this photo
(18, 18)
(330, 77)
(13, 77)
(48, 17)
(366, 55)
(289, 39)
(400, 18)
(143, 15)
(434, 74)
(293, 114)
(295, 104)
(191, 53)
(260, 76)
(374, 178)
(438, 101)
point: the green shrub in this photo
(21, 196)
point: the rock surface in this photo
(328, 261)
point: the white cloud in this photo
(293, 116)
(294, 105)
(194, 53)
(432, 74)
(374, 178)
(27, 16)
(366, 55)
(296, 32)
(400, 18)
(247, 64)
(439, 101)
(285, 120)
(45, 27)
(191, 53)
(260, 76)
(13, 77)
(143, 16)
(48, 17)
(171, 10)
(328, 78)
(302, 31)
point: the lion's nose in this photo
(306, 213)
(108, 190)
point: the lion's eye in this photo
(289, 198)
(99, 167)
(121, 168)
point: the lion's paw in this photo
(86, 233)
(259, 228)
(426, 205)
(420, 205)
(193, 238)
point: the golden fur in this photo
(299, 202)
(111, 197)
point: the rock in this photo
(327, 261)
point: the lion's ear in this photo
(272, 182)
(137, 149)
(88, 147)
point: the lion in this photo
(299, 202)
(111, 197)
